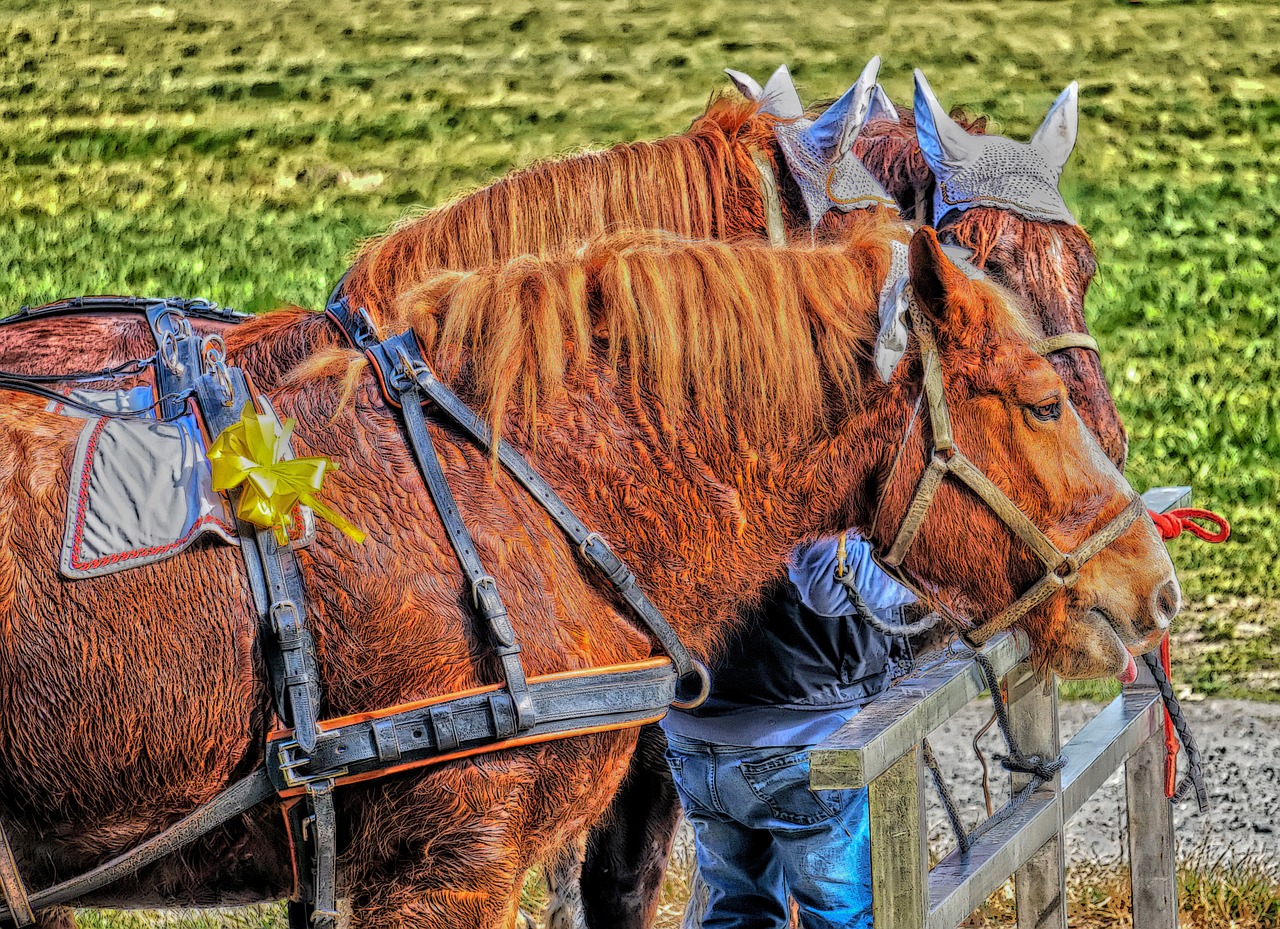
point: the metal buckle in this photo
(484, 580)
(214, 352)
(289, 762)
(592, 537)
(279, 608)
(408, 372)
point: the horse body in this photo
(129, 700)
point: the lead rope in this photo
(1015, 761)
(1194, 778)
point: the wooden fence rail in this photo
(881, 748)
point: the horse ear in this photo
(747, 85)
(1056, 136)
(834, 131)
(945, 146)
(882, 107)
(934, 279)
(779, 96)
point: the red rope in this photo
(1171, 525)
(1176, 522)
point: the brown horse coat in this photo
(130, 699)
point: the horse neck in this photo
(702, 185)
(705, 519)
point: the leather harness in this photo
(306, 761)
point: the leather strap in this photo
(75, 306)
(1065, 340)
(242, 796)
(273, 572)
(324, 845)
(772, 203)
(484, 589)
(12, 890)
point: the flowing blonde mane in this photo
(762, 338)
(687, 184)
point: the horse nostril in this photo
(1167, 601)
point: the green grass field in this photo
(241, 151)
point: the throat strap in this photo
(1065, 340)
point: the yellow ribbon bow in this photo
(253, 453)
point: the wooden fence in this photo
(881, 748)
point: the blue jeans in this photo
(762, 833)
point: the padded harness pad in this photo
(140, 490)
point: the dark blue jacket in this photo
(803, 660)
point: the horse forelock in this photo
(770, 342)
(684, 184)
(891, 153)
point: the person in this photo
(803, 667)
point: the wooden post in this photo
(1153, 868)
(899, 844)
(1040, 884)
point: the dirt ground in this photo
(1240, 743)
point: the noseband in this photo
(1061, 569)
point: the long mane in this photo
(684, 184)
(770, 341)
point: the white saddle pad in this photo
(140, 489)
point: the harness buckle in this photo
(214, 352)
(284, 617)
(408, 372)
(480, 583)
(288, 760)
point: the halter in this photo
(1061, 569)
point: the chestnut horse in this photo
(704, 407)
(702, 183)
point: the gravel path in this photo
(1240, 743)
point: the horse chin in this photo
(1095, 649)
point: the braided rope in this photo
(963, 836)
(1194, 778)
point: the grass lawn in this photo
(241, 151)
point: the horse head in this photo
(1048, 534)
(1000, 198)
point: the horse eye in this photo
(1047, 412)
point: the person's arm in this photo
(814, 574)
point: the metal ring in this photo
(704, 688)
(213, 348)
(169, 353)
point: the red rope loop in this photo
(1176, 522)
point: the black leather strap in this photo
(563, 705)
(242, 796)
(74, 306)
(274, 577)
(484, 589)
(400, 364)
(12, 890)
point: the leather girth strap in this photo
(407, 381)
(278, 592)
